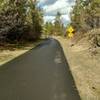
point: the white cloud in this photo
(42, 1)
(46, 2)
(62, 6)
(65, 17)
(49, 18)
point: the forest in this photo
(20, 20)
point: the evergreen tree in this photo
(58, 24)
(20, 20)
(86, 14)
(48, 28)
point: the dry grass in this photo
(85, 68)
(8, 53)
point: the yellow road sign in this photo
(70, 31)
(70, 35)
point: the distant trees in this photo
(59, 27)
(20, 20)
(54, 28)
(48, 28)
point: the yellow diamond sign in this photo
(70, 31)
(70, 35)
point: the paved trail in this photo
(40, 74)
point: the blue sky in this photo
(51, 7)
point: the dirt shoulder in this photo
(84, 67)
(10, 53)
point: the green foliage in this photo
(37, 21)
(48, 28)
(20, 20)
(12, 21)
(58, 26)
(86, 15)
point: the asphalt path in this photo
(40, 74)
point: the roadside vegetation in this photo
(20, 27)
(19, 21)
(83, 49)
(55, 28)
(85, 18)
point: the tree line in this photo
(86, 15)
(54, 28)
(20, 20)
(85, 18)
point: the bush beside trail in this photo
(85, 18)
(90, 40)
(94, 37)
(18, 24)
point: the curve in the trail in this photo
(40, 74)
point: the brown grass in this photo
(84, 67)
(11, 51)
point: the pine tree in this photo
(86, 14)
(20, 20)
(58, 24)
